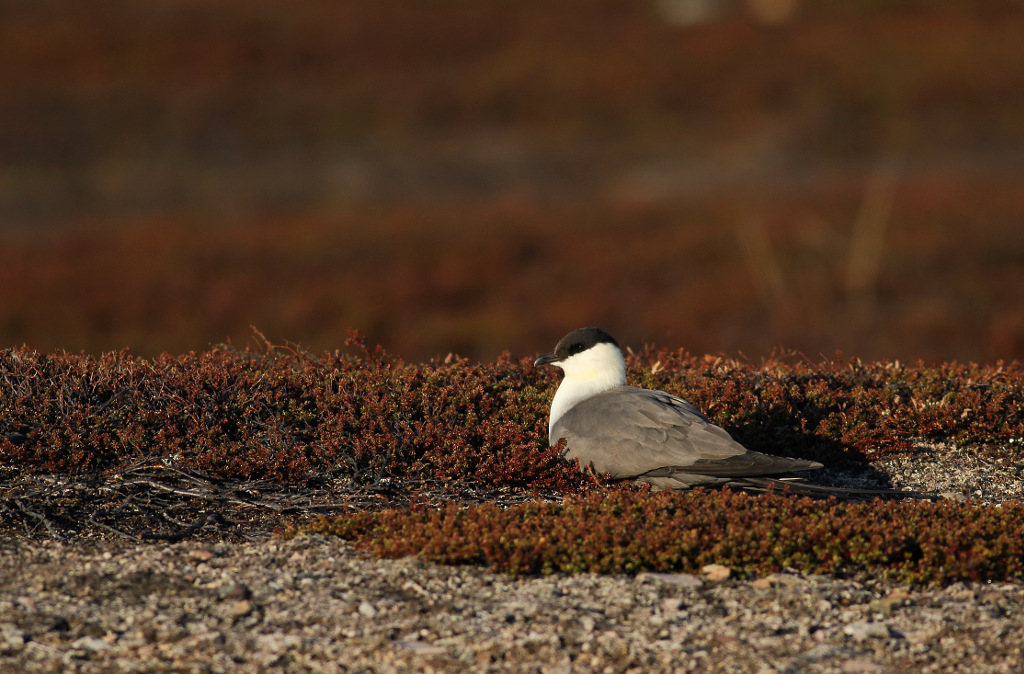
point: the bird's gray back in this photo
(633, 432)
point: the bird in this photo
(644, 435)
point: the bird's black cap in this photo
(575, 342)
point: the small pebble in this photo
(715, 572)
(201, 555)
(421, 648)
(890, 603)
(90, 645)
(234, 590)
(672, 605)
(862, 631)
(860, 666)
(777, 580)
(12, 639)
(241, 608)
(677, 579)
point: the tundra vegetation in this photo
(449, 459)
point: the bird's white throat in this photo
(587, 373)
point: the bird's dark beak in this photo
(546, 359)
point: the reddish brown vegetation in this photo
(299, 419)
(295, 416)
(283, 416)
(627, 532)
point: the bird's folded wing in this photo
(628, 432)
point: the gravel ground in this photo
(316, 604)
(981, 474)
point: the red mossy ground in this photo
(629, 532)
(292, 415)
(228, 428)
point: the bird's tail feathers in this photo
(795, 485)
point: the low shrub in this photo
(296, 417)
(628, 531)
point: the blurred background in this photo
(473, 176)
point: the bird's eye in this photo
(575, 348)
